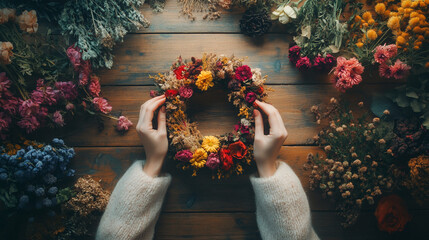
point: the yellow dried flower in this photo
(359, 44)
(367, 16)
(380, 8)
(199, 158)
(205, 80)
(372, 34)
(393, 23)
(210, 144)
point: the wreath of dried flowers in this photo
(225, 154)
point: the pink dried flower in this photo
(69, 106)
(213, 161)
(303, 64)
(385, 52)
(5, 121)
(243, 73)
(399, 69)
(29, 123)
(185, 92)
(241, 128)
(294, 54)
(68, 90)
(94, 86)
(184, 155)
(384, 71)
(75, 56)
(7, 14)
(58, 118)
(250, 97)
(28, 108)
(102, 105)
(347, 73)
(123, 124)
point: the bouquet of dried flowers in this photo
(359, 166)
(37, 80)
(225, 154)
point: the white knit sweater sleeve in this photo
(282, 209)
(134, 206)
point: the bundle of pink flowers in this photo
(347, 73)
(387, 69)
(303, 63)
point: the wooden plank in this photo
(187, 193)
(243, 226)
(216, 116)
(142, 55)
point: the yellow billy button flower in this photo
(205, 80)
(380, 8)
(372, 34)
(199, 158)
(359, 44)
(210, 144)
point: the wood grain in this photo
(243, 226)
(215, 116)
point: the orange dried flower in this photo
(372, 34)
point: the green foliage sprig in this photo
(99, 24)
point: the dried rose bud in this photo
(382, 141)
(389, 151)
(376, 120)
(374, 164)
(358, 202)
(328, 148)
(339, 129)
(352, 149)
(345, 164)
(318, 121)
(333, 101)
(386, 112)
(354, 155)
(314, 108)
(356, 162)
(360, 104)
(331, 135)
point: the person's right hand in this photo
(154, 141)
(267, 147)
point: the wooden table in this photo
(201, 208)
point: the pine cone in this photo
(255, 22)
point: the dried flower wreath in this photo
(225, 154)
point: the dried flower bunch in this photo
(358, 167)
(225, 154)
(98, 25)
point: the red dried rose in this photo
(243, 73)
(180, 72)
(226, 159)
(392, 214)
(171, 93)
(238, 149)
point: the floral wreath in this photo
(223, 154)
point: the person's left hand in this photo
(154, 141)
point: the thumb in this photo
(259, 123)
(161, 120)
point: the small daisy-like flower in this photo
(210, 144)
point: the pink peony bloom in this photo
(384, 71)
(243, 73)
(123, 124)
(294, 54)
(250, 97)
(68, 90)
(4, 83)
(185, 92)
(347, 73)
(213, 161)
(45, 95)
(384, 53)
(184, 155)
(399, 69)
(75, 56)
(29, 123)
(102, 105)
(303, 64)
(28, 108)
(58, 118)
(9, 103)
(94, 86)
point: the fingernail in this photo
(255, 112)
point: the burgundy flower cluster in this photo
(45, 105)
(411, 139)
(303, 63)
